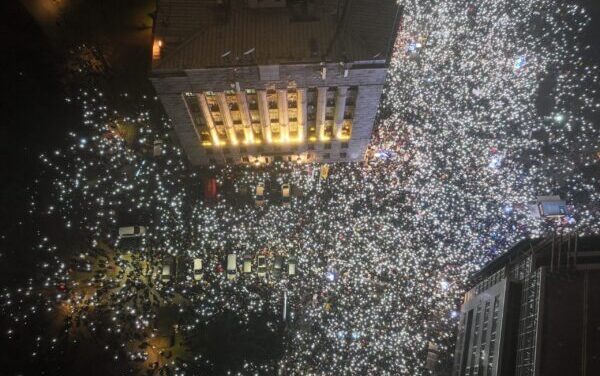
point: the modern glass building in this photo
(534, 311)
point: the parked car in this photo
(277, 267)
(231, 266)
(157, 148)
(259, 196)
(197, 269)
(285, 193)
(261, 265)
(247, 265)
(131, 231)
(292, 266)
(165, 274)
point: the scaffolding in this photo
(528, 325)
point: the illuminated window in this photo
(239, 132)
(347, 128)
(312, 131)
(205, 137)
(156, 48)
(252, 100)
(328, 131)
(292, 98)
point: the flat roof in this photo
(585, 243)
(203, 33)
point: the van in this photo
(131, 231)
(231, 266)
(261, 265)
(197, 269)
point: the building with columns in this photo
(258, 81)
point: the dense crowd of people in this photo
(384, 247)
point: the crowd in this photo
(384, 247)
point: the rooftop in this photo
(587, 248)
(211, 33)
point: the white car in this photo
(260, 194)
(131, 231)
(165, 275)
(247, 265)
(261, 265)
(285, 193)
(197, 269)
(231, 266)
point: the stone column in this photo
(209, 120)
(222, 101)
(321, 106)
(265, 120)
(245, 114)
(302, 123)
(283, 115)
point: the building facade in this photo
(261, 81)
(534, 311)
